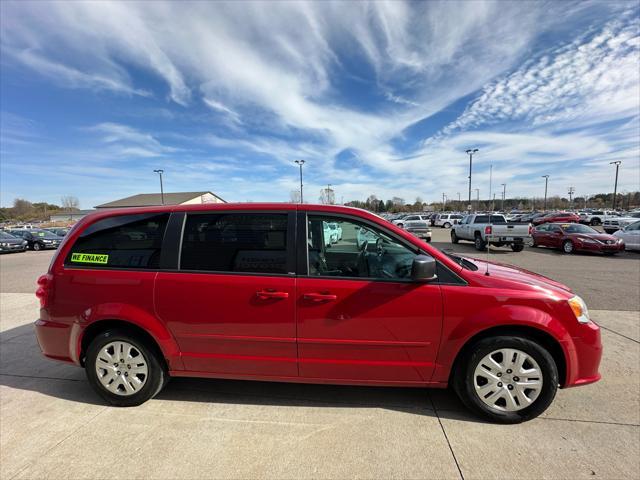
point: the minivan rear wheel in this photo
(507, 379)
(123, 370)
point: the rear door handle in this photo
(265, 294)
(319, 297)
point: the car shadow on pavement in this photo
(23, 367)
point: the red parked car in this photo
(252, 291)
(574, 237)
(564, 217)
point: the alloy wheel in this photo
(121, 368)
(508, 380)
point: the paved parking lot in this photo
(53, 426)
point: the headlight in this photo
(24, 242)
(588, 240)
(4, 244)
(579, 309)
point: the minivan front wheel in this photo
(123, 370)
(507, 379)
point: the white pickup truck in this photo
(493, 229)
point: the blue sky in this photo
(379, 98)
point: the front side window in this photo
(124, 241)
(360, 252)
(236, 242)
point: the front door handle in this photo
(265, 294)
(319, 297)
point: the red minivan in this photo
(265, 292)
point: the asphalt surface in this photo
(52, 425)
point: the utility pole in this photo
(444, 202)
(300, 163)
(329, 192)
(615, 185)
(470, 152)
(459, 205)
(572, 190)
(160, 172)
(546, 184)
(504, 194)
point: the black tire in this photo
(454, 237)
(533, 242)
(36, 246)
(463, 381)
(157, 375)
(401, 225)
(446, 225)
(568, 247)
(479, 243)
(595, 222)
(428, 239)
(517, 247)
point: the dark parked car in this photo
(572, 237)
(38, 239)
(61, 232)
(529, 217)
(9, 243)
(564, 217)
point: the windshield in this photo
(6, 236)
(577, 228)
(36, 232)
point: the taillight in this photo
(44, 289)
(530, 229)
(487, 230)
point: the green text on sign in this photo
(89, 258)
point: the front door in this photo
(360, 318)
(231, 304)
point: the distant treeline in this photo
(624, 201)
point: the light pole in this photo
(470, 152)
(491, 185)
(504, 194)
(459, 202)
(546, 184)
(301, 163)
(477, 198)
(444, 202)
(615, 185)
(160, 172)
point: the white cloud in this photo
(590, 80)
(129, 142)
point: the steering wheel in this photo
(380, 247)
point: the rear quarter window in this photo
(124, 241)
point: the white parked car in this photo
(337, 229)
(402, 223)
(447, 220)
(597, 217)
(330, 236)
(612, 224)
(631, 236)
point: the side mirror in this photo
(423, 269)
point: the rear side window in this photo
(498, 220)
(235, 242)
(125, 241)
(482, 219)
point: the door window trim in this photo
(302, 265)
(291, 242)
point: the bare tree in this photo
(327, 196)
(22, 207)
(70, 202)
(294, 196)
